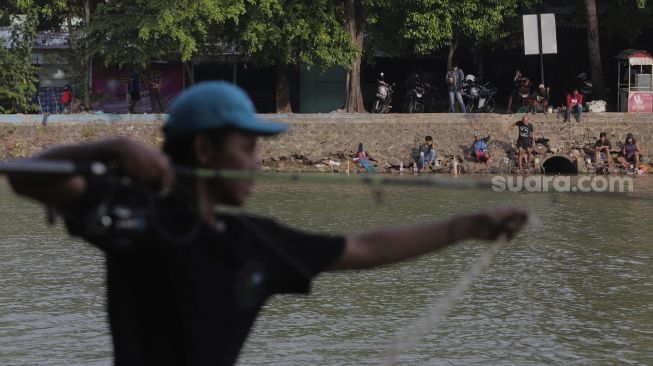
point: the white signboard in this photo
(549, 41)
(531, 34)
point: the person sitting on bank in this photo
(426, 153)
(630, 153)
(479, 149)
(602, 148)
(540, 99)
(363, 159)
(186, 285)
(574, 105)
(525, 140)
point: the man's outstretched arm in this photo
(391, 245)
(141, 164)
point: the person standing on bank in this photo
(134, 90)
(156, 101)
(186, 286)
(454, 80)
(519, 81)
(525, 140)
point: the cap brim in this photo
(262, 127)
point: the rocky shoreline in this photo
(326, 143)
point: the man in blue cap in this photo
(185, 284)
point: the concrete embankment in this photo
(315, 139)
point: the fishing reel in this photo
(119, 214)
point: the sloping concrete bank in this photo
(317, 138)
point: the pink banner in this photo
(110, 93)
(639, 102)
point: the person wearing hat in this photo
(479, 149)
(540, 99)
(187, 283)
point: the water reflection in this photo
(576, 290)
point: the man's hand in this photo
(493, 223)
(146, 166)
(393, 244)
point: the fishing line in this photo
(407, 338)
(62, 167)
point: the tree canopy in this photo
(17, 80)
(284, 33)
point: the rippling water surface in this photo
(577, 290)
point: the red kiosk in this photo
(635, 82)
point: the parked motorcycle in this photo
(477, 97)
(585, 87)
(420, 96)
(383, 96)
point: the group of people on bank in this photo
(628, 157)
(539, 99)
(522, 98)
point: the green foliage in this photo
(639, 14)
(17, 80)
(113, 35)
(431, 24)
(288, 32)
(189, 26)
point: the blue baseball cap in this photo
(213, 105)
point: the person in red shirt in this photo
(575, 105)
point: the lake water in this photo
(576, 290)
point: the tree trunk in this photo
(594, 49)
(480, 68)
(86, 61)
(452, 50)
(188, 68)
(354, 24)
(283, 90)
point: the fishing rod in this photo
(65, 167)
(376, 181)
(59, 167)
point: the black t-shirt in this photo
(600, 143)
(183, 293)
(525, 131)
(540, 95)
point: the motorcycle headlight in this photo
(382, 91)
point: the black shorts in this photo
(524, 144)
